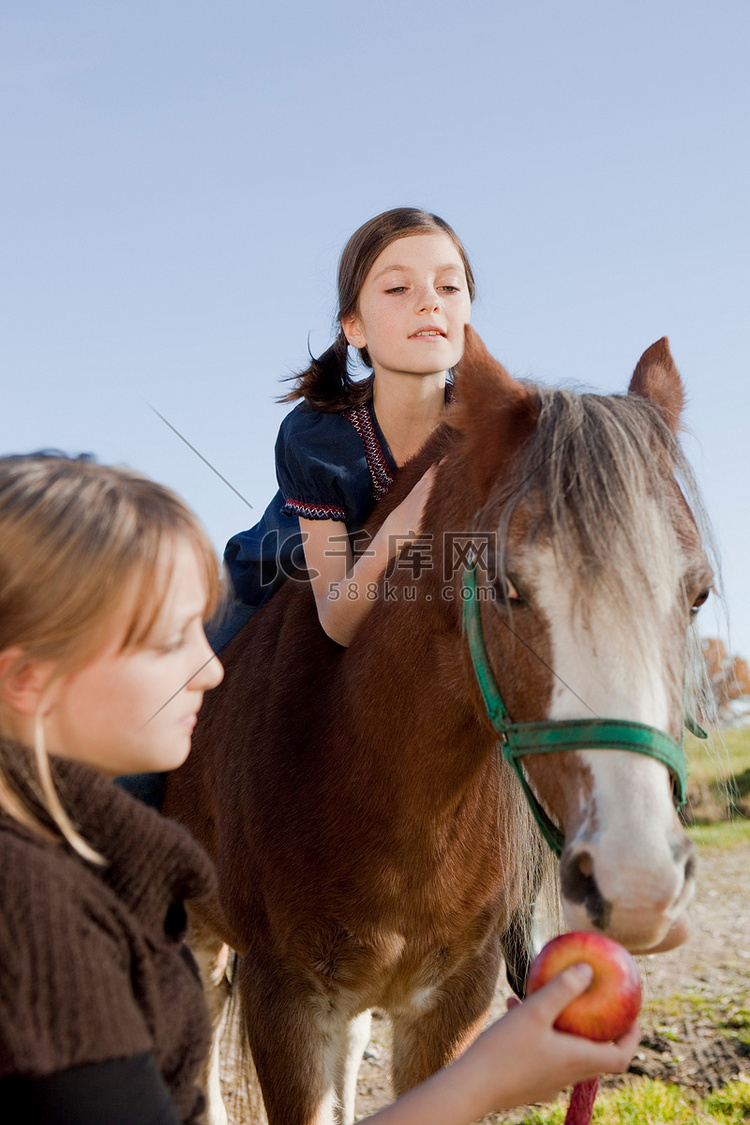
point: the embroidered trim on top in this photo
(382, 477)
(313, 511)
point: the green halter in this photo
(517, 739)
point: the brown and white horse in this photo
(373, 848)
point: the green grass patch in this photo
(692, 1004)
(732, 1104)
(656, 1103)
(736, 1025)
(720, 834)
(725, 752)
(728, 1015)
(742, 783)
(719, 776)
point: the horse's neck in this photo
(408, 685)
(405, 677)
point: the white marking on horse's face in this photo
(620, 664)
(616, 661)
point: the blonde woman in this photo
(105, 581)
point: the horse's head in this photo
(592, 573)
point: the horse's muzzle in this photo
(646, 911)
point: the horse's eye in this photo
(506, 591)
(699, 601)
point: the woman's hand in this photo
(520, 1059)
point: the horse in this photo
(373, 843)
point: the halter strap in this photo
(518, 739)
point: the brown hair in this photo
(78, 542)
(326, 384)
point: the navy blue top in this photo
(329, 467)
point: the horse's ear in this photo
(495, 412)
(656, 377)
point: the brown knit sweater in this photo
(92, 961)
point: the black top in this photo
(122, 1092)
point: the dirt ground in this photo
(696, 1017)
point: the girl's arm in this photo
(341, 586)
(520, 1059)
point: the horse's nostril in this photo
(577, 876)
(578, 885)
(684, 854)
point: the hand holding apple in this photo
(604, 1011)
(613, 999)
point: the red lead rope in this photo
(582, 1103)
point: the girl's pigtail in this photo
(326, 384)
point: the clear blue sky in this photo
(179, 178)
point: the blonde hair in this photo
(78, 543)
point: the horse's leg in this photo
(294, 1039)
(215, 1113)
(353, 1043)
(425, 1042)
(211, 955)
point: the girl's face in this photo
(413, 307)
(133, 710)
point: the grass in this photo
(656, 1103)
(728, 747)
(719, 777)
(728, 1015)
(722, 834)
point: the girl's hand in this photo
(341, 588)
(533, 1061)
(405, 521)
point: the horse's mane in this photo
(591, 465)
(588, 472)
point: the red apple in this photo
(613, 999)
